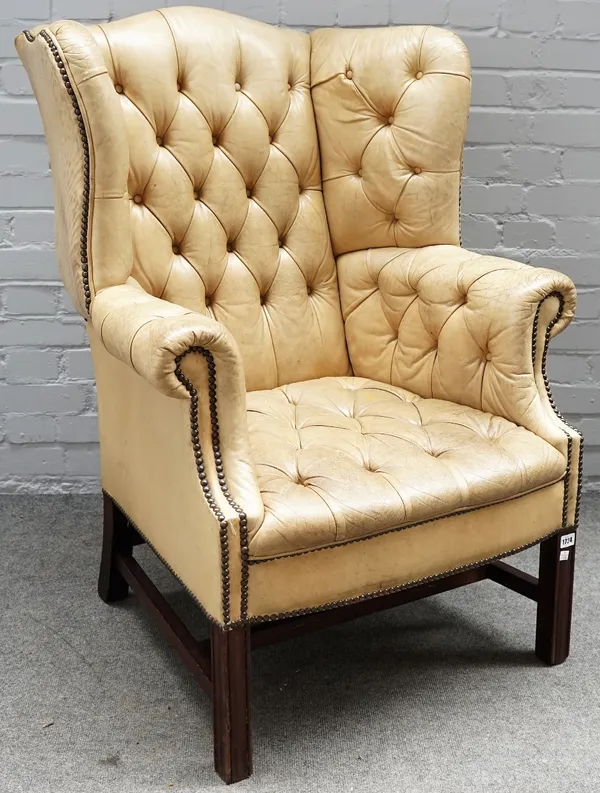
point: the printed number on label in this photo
(567, 540)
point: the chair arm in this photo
(154, 338)
(447, 323)
(148, 334)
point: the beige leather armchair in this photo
(313, 402)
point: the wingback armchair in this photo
(313, 402)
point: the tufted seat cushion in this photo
(343, 458)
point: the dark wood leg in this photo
(118, 539)
(555, 598)
(230, 651)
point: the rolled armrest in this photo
(148, 334)
(154, 337)
(450, 324)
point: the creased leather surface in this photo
(109, 238)
(451, 324)
(148, 468)
(148, 334)
(401, 557)
(342, 458)
(391, 107)
(225, 199)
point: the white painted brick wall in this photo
(531, 191)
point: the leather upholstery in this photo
(391, 107)
(362, 423)
(399, 558)
(448, 323)
(223, 189)
(340, 459)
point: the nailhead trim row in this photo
(551, 324)
(391, 590)
(396, 528)
(216, 447)
(83, 249)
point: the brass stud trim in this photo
(551, 325)
(86, 162)
(216, 510)
(391, 590)
(395, 529)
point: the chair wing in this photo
(391, 107)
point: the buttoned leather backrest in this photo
(391, 107)
(210, 180)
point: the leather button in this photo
(249, 192)
(159, 140)
(418, 75)
(138, 198)
(119, 88)
(289, 86)
(270, 139)
(309, 290)
(280, 242)
(417, 170)
(175, 248)
(488, 356)
(207, 300)
(263, 299)
(359, 172)
(196, 195)
(179, 86)
(391, 120)
(215, 140)
(230, 246)
(349, 74)
(238, 87)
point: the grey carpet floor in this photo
(440, 696)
